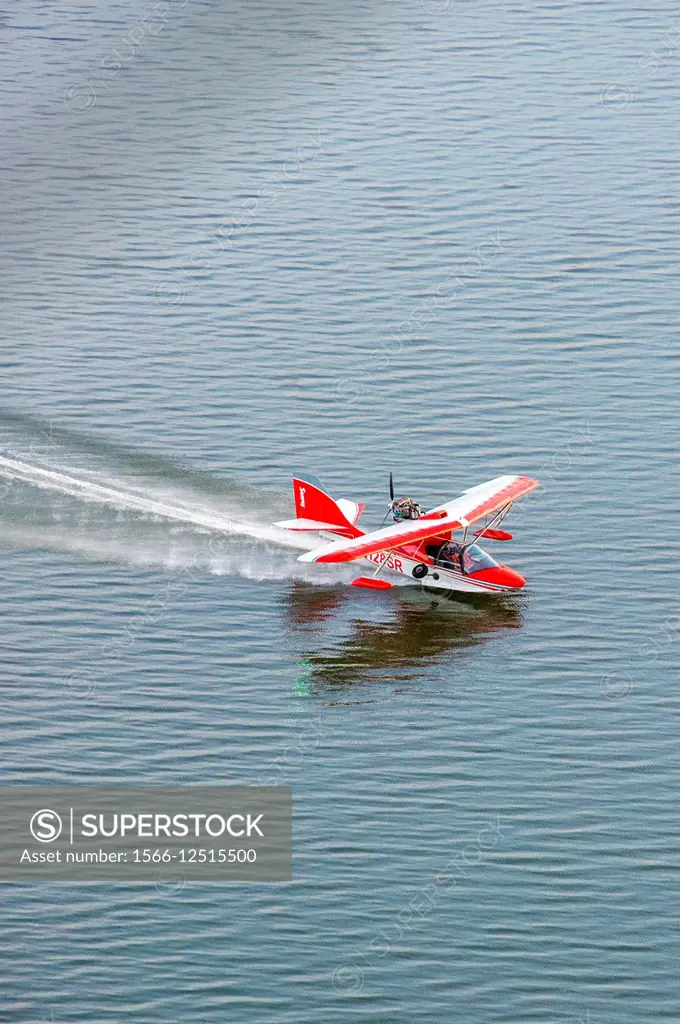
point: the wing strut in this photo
(498, 518)
(384, 562)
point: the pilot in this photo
(449, 554)
(405, 508)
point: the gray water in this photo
(437, 238)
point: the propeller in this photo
(391, 504)
(415, 509)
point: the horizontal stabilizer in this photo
(310, 524)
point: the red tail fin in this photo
(313, 502)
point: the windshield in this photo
(475, 559)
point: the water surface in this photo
(437, 239)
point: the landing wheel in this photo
(419, 571)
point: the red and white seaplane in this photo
(419, 545)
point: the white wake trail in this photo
(88, 490)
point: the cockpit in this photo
(475, 559)
(468, 559)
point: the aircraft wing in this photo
(473, 504)
(483, 499)
(381, 540)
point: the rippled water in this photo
(438, 238)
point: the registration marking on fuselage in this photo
(379, 557)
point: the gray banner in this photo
(165, 835)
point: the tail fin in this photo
(316, 510)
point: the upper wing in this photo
(482, 500)
(380, 540)
(473, 504)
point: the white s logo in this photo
(45, 826)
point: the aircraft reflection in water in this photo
(422, 630)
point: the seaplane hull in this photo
(437, 576)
